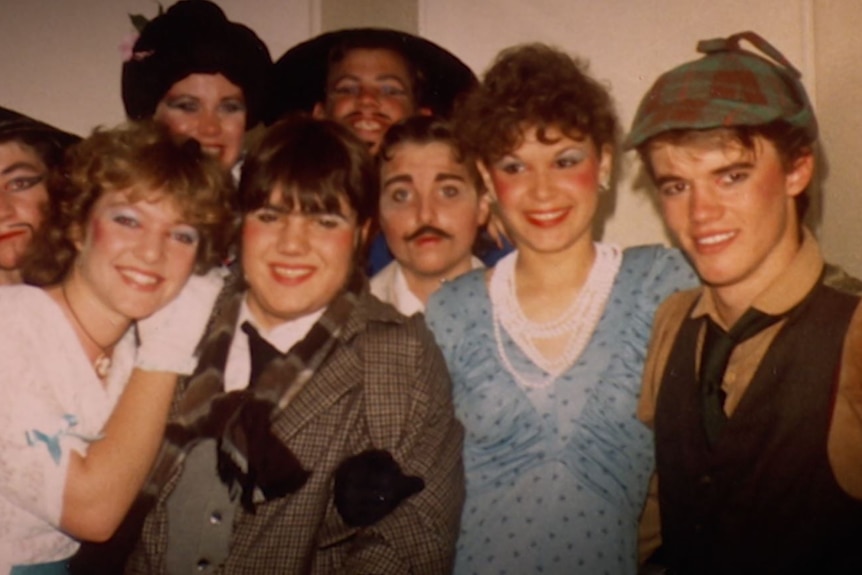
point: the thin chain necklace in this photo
(102, 363)
(577, 322)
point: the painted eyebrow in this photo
(661, 180)
(444, 176)
(21, 166)
(398, 179)
(380, 78)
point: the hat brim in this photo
(16, 125)
(299, 76)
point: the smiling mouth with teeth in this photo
(140, 278)
(715, 239)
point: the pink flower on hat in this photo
(127, 46)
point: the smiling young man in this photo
(432, 207)
(753, 382)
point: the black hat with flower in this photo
(193, 37)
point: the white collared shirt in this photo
(390, 285)
(282, 337)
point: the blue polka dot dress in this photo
(556, 477)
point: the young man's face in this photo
(731, 208)
(368, 91)
(430, 210)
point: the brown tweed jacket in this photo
(385, 386)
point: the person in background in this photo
(432, 207)
(317, 434)
(368, 79)
(753, 382)
(546, 349)
(29, 151)
(134, 216)
(201, 75)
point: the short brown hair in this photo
(316, 162)
(534, 85)
(140, 157)
(427, 130)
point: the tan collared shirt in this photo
(845, 434)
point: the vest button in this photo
(203, 565)
(215, 518)
(705, 479)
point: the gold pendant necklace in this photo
(102, 363)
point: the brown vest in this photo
(764, 498)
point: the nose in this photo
(426, 211)
(6, 206)
(151, 248)
(368, 96)
(541, 184)
(209, 124)
(293, 236)
(704, 205)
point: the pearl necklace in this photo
(102, 363)
(578, 321)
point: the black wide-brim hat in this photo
(299, 76)
(194, 37)
(17, 126)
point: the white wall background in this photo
(60, 63)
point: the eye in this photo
(127, 220)
(187, 105)
(400, 195)
(510, 166)
(22, 183)
(734, 177)
(328, 221)
(673, 188)
(450, 191)
(392, 90)
(233, 106)
(346, 89)
(569, 160)
(266, 215)
(186, 235)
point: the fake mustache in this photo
(428, 231)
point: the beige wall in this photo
(61, 63)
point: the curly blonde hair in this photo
(143, 158)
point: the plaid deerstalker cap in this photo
(729, 86)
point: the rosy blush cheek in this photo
(98, 232)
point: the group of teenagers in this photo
(196, 374)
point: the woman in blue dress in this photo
(546, 349)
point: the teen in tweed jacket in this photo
(363, 395)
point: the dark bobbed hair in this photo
(194, 37)
(791, 142)
(140, 157)
(316, 163)
(535, 85)
(427, 130)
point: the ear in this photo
(491, 192)
(424, 111)
(800, 174)
(484, 209)
(606, 165)
(362, 235)
(76, 236)
(319, 111)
